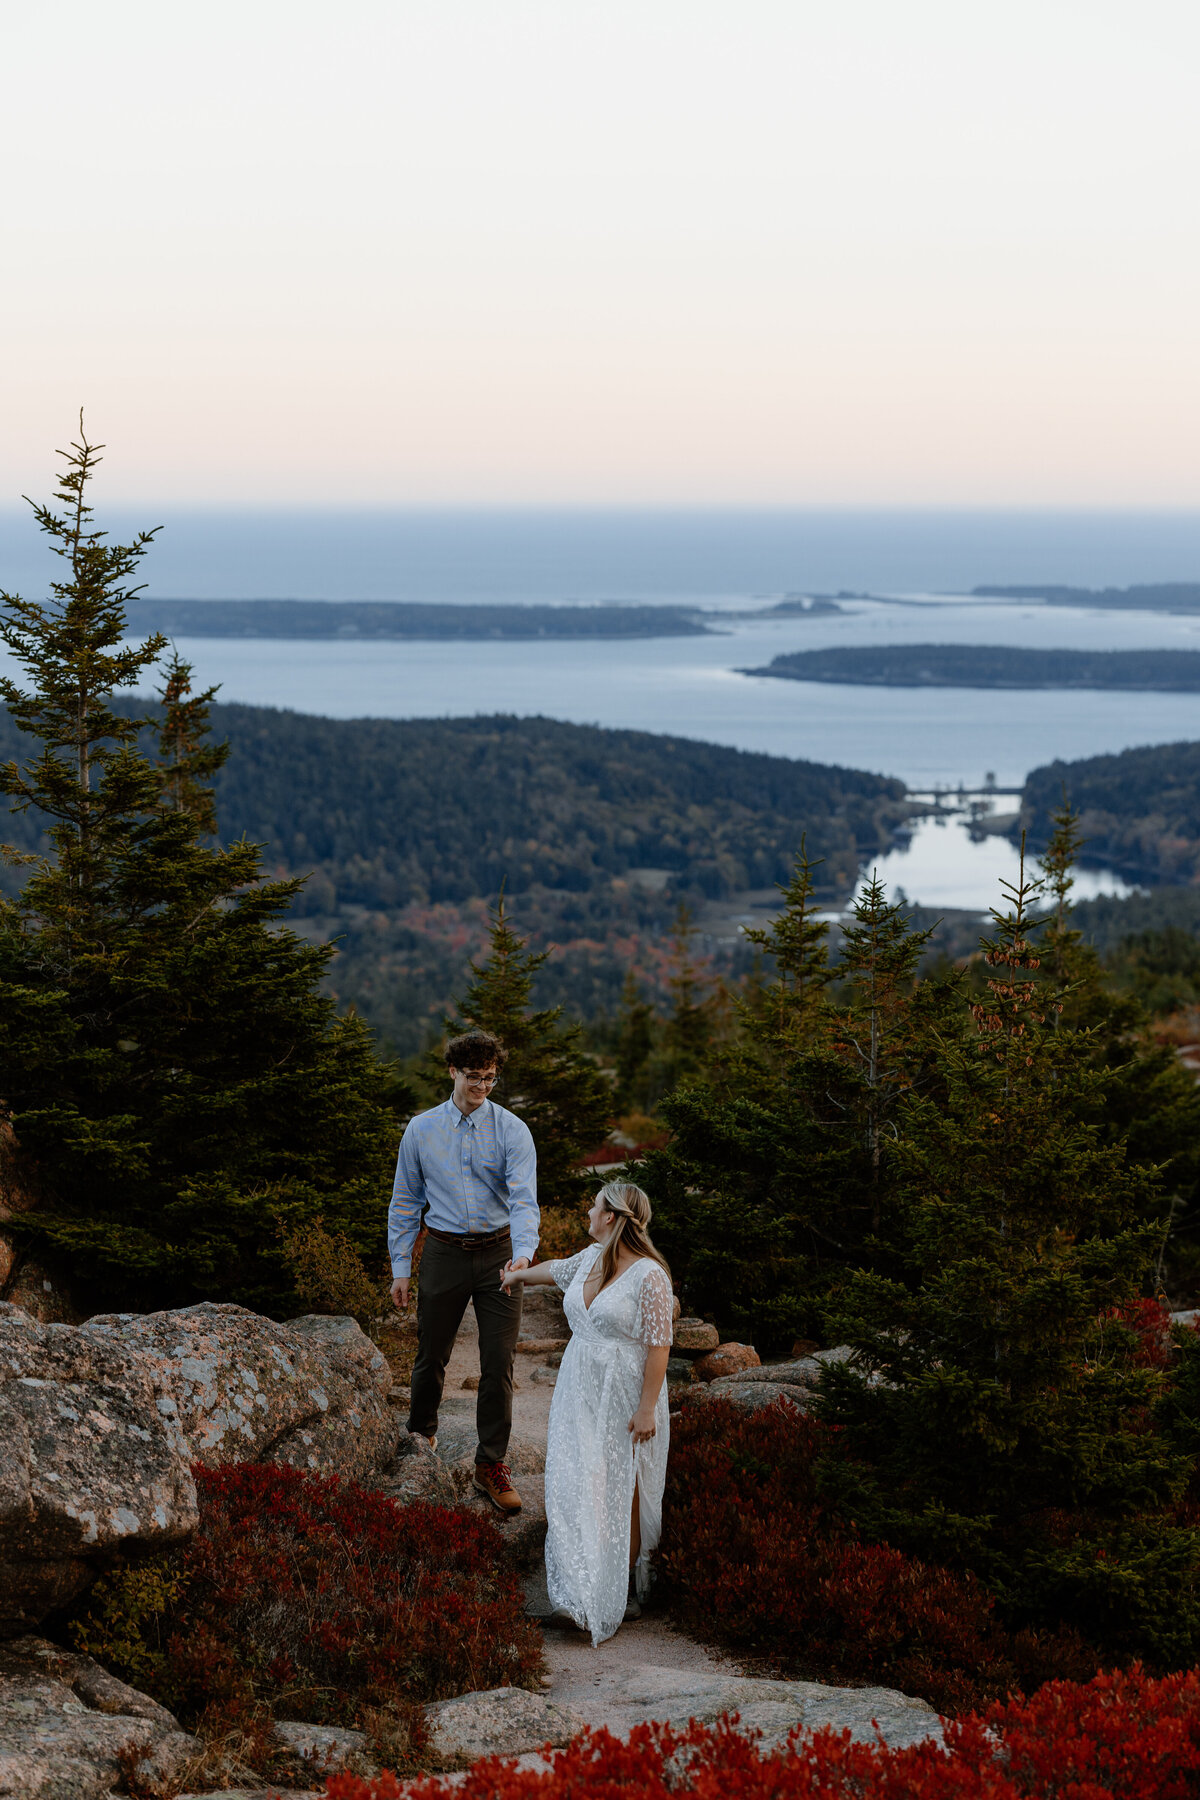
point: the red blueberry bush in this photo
(1150, 1322)
(1119, 1737)
(750, 1557)
(309, 1597)
(341, 1597)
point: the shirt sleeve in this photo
(564, 1271)
(520, 1175)
(654, 1323)
(408, 1203)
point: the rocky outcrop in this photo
(499, 1722)
(647, 1691)
(71, 1731)
(321, 1750)
(418, 1473)
(726, 1359)
(312, 1393)
(746, 1396)
(693, 1337)
(92, 1460)
(805, 1373)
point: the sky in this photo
(596, 252)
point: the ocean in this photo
(731, 563)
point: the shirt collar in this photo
(458, 1118)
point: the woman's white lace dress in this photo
(591, 1459)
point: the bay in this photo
(731, 564)
(692, 688)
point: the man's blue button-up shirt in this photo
(472, 1171)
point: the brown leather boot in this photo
(494, 1480)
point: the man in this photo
(469, 1167)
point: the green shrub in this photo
(330, 1277)
(128, 1611)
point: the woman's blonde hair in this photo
(631, 1210)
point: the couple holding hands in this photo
(468, 1170)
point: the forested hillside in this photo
(405, 619)
(1139, 809)
(408, 827)
(990, 666)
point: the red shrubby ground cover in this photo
(1118, 1737)
(327, 1595)
(1150, 1321)
(750, 1558)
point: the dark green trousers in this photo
(450, 1277)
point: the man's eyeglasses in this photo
(475, 1080)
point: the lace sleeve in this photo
(654, 1325)
(564, 1271)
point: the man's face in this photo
(472, 1087)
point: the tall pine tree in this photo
(1151, 1102)
(776, 1174)
(884, 1020)
(187, 761)
(996, 1412)
(166, 1057)
(690, 1028)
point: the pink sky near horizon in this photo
(563, 252)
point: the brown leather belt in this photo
(471, 1240)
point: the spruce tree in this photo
(1151, 1101)
(797, 944)
(775, 1178)
(166, 1056)
(996, 1412)
(884, 1020)
(548, 1079)
(1061, 943)
(690, 1028)
(187, 761)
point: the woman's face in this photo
(600, 1221)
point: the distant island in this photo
(991, 666)
(1166, 596)
(407, 619)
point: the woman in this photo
(606, 1453)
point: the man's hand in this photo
(400, 1293)
(510, 1269)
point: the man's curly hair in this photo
(475, 1050)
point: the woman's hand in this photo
(513, 1272)
(642, 1425)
